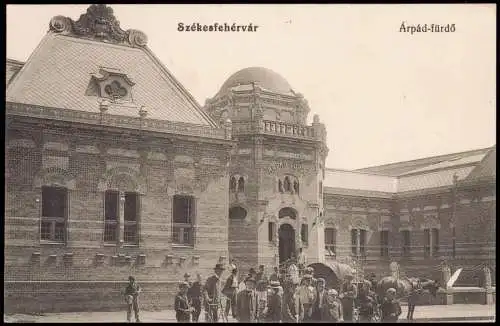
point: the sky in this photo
(384, 95)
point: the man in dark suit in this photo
(182, 307)
(275, 303)
(320, 302)
(246, 302)
(230, 290)
(212, 293)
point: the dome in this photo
(265, 78)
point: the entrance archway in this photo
(286, 235)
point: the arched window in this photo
(232, 184)
(237, 213)
(280, 186)
(287, 184)
(241, 184)
(296, 186)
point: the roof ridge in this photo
(443, 156)
(26, 64)
(179, 86)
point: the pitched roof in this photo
(486, 169)
(59, 72)
(427, 173)
(342, 179)
(400, 168)
(12, 67)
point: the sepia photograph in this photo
(271, 163)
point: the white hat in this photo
(333, 292)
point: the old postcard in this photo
(250, 163)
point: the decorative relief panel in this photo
(87, 149)
(56, 146)
(157, 156)
(183, 159)
(25, 143)
(431, 221)
(123, 152)
(286, 166)
(114, 165)
(55, 162)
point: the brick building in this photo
(113, 169)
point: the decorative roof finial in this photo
(98, 23)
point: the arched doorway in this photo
(286, 235)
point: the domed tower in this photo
(277, 169)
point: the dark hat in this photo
(187, 275)
(250, 279)
(219, 267)
(262, 266)
(321, 280)
(252, 270)
(131, 278)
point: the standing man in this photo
(275, 276)
(230, 290)
(181, 304)
(246, 303)
(275, 303)
(306, 295)
(320, 303)
(348, 295)
(289, 302)
(132, 297)
(195, 294)
(212, 294)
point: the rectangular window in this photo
(131, 218)
(435, 242)
(405, 235)
(111, 215)
(54, 214)
(354, 242)
(384, 243)
(362, 243)
(427, 243)
(183, 220)
(271, 230)
(304, 232)
(330, 241)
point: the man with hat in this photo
(212, 294)
(132, 297)
(348, 295)
(391, 308)
(246, 302)
(274, 303)
(306, 295)
(230, 290)
(333, 310)
(182, 305)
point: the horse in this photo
(409, 288)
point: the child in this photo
(391, 309)
(182, 307)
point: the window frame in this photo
(131, 223)
(179, 228)
(331, 247)
(304, 234)
(109, 221)
(54, 220)
(384, 243)
(405, 247)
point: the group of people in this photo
(279, 297)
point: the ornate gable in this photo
(98, 23)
